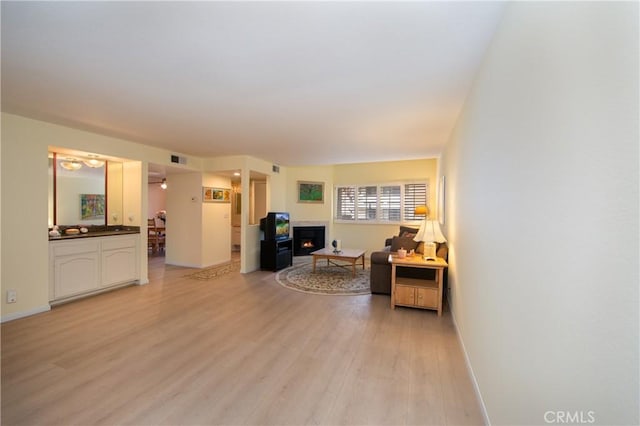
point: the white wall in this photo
(1, 195)
(132, 195)
(25, 147)
(184, 220)
(216, 225)
(542, 215)
(371, 237)
(115, 193)
(258, 207)
(251, 167)
(310, 211)
(24, 218)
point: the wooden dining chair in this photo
(155, 238)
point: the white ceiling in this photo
(295, 83)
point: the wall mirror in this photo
(84, 190)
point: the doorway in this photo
(156, 209)
(236, 218)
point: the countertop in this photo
(102, 231)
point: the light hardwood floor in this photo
(236, 350)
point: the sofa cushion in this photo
(406, 243)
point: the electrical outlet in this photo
(12, 296)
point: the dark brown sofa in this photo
(381, 268)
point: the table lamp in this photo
(429, 233)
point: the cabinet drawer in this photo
(118, 242)
(68, 248)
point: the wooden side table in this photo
(415, 292)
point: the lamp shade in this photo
(430, 232)
(421, 210)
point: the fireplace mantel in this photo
(310, 223)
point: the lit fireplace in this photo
(307, 239)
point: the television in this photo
(275, 226)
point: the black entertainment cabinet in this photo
(276, 254)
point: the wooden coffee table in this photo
(346, 255)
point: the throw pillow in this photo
(406, 243)
(405, 231)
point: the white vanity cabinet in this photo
(75, 267)
(119, 260)
(84, 266)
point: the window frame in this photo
(355, 190)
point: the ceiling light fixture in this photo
(93, 162)
(163, 185)
(71, 164)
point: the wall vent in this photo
(275, 169)
(178, 160)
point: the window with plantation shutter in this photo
(367, 202)
(415, 194)
(390, 203)
(346, 203)
(387, 203)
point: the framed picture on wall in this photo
(310, 192)
(92, 206)
(216, 195)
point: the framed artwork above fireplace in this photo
(310, 192)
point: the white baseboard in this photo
(17, 315)
(476, 388)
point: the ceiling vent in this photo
(178, 160)
(275, 169)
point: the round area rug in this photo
(214, 272)
(328, 280)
